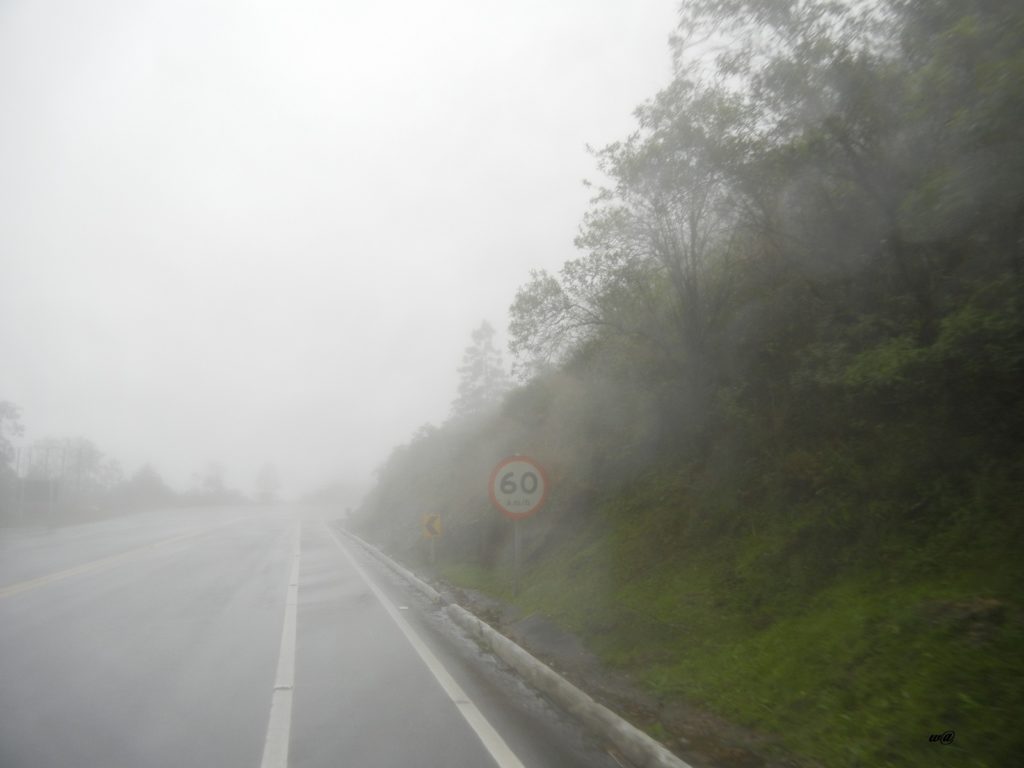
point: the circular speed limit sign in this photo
(518, 487)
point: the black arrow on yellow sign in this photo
(431, 526)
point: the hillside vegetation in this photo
(779, 392)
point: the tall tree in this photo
(10, 426)
(483, 378)
(145, 488)
(659, 241)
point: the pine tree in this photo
(483, 379)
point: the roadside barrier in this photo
(635, 745)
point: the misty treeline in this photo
(800, 278)
(66, 479)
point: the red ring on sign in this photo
(540, 502)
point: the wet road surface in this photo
(246, 637)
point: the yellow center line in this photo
(103, 562)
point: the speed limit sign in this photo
(518, 487)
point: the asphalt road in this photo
(246, 637)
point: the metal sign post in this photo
(515, 555)
(518, 488)
(431, 531)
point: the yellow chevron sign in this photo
(431, 526)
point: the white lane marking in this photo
(103, 562)
(492, 741)
(279, 728)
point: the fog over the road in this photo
(263, 232)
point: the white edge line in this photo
(279, 728)
(491, 739)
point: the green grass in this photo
(489, 581)
(861, 675)
(851, 656)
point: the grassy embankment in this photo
(840, 568)
(851, 641)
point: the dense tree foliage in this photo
(811, 244)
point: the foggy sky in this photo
(251, 231)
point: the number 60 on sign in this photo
(518, 487)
